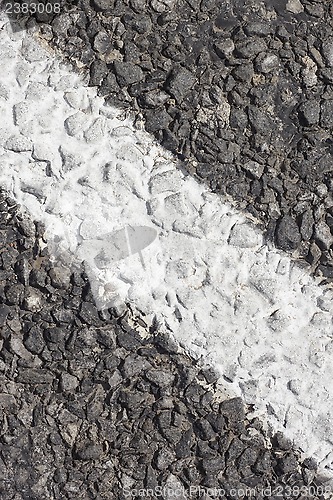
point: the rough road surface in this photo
(276, 342)
(99, 407)
(208, 278)
(240, 90)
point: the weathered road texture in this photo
(242, 93)
(91, 409)
(209, 279)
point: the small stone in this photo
(265, 63)
(14, 294)
(115, 379)
(180, 83)
(36, 91)
(60, 475)
(129, 340)
(18, 144)
(63, 316)
(33, 51)
(103, 5)
(162, 5)
(327, 51)
(17, 346)
(287, 234)
(217, 421)
(154, 99)
(164, 459)
(8, 402)
(138, 5)
(213, 465)
(174, 489)
(98, 71)
(325, 301)
(26, 227)
(95, 132)
(258, 28)
(204, 430)
(34, 376)
(34, 340)
(307, 223)
(157, 120)
(60, 277)
(327, 271)
(244, 72)
(309, 71)
(310, 463)
(224, 48)
(327, 75)
(251, 48)
(102, 42)
(128, 73)
(32, 300)
(260, 120)
(4, 311)
(160, 377)
(37, 278)
(281, 441)
(323, 235)
(140, 24)
(233, 410)
(236, 448)
(89, 313)
(74, 124)
(211, 375)
(21, 113)
(315, 10)
(282, 33)
(4, 92)
(183, 447)
(295, 386)
(56, 335)
(134, 365)
(288, 463)
(254, 168)
(69, 160)
(310, 112)
(68, 383)
(61, 24)
(326, 113)
(321, 190)
(89, 450)
(314, 254)
(244, 236)
(294, 6)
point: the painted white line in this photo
(85, 171)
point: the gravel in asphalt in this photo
(240, 91)
(96, 405)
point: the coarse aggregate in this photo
(96, 405)
(240, 91)
(208, 278)
(265, 140)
